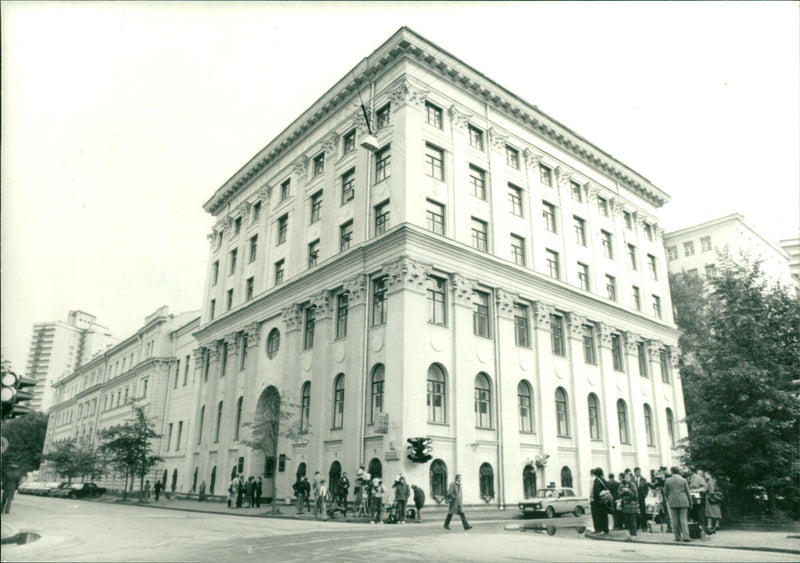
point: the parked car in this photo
(554, 501)
(78, 490)
(49, 486)
(32, 488)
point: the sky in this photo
(119, 120)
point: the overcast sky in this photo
(119, 120)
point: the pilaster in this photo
(609, 395)
(545, 390)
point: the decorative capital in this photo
(674, 355)
(331, 143)
(232, 343)
(212, 238)
(213, 351)
(543, 312)
(617, 207)
(322, 305)
(640, 221)
(631, 343)
(356, 289)
(497, 139)
(300, 166)
(654, 348)
(406, 273)
(462, 289)
(659, 232)
(244, 208)
(604, 332)
(228, 221)
(592, 192)
(532, 158)
(505, 303)
(564, 175)
(409, 94)
(199, 354)
(575, 323)
(251, 334)
(459, 119)
(291, 317)
(360, 122)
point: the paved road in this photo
(90, 531)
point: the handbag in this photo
(606, 498)
(716, 497)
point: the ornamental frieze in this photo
(654, 347)
(300, 165)
(291, 317)
(406, 273)
(356, 289)
(322, 305)
(199, 355)
(631, 343)
(532, 158)
(543, 311)
(360, 121)
(244, 208)
(462, 289)
(459, 119)
(232, 343)
(331, 143)
(592, 192)
(497, 140)
(604, 333)
(505, 303)
(251, 334)
(575, 323)
(213, 351)
(564, 175)
(617, 207)
(409, 94)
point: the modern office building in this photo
(59, 348)
(697, 249)
(449, 263)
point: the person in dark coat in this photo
(713, 508)
(240, 492)
(599, 509)
(258, 490)
(11, 480)
(342, 491)
(630, 505)
(157, 489)
(401, 494)
(249, 487)
(642, 486)
(676, 492)
(201, 495)
(616, 515)
(302, 488)
(455, 496)
(419, 501)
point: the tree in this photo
(128, 448)
(745, 422)
(73, 459)
(25, 437)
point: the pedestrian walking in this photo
(455, 499)
(601, 503)
(676, 491)
(629, 497)
(11, 479)
(713, 508)
(157, 489)
(419, 501)
(201, 496)
(259, 490)
(401, 494)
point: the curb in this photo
(696, 544)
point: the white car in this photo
(555, 501)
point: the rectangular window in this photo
(589, 351)
(652, 266)
(349, 141)
(557, 335)
(480, 314)
(319, 164)
(575, 191)
(512, 157)
(475, 138)
(632, 257)
(549, 216)
(545, 175)
(215, 273)
(433, 115)
(286, 189)
(648, 231)
(178, 438)
(628, 220)
(381, 218)
(608, 248)
(515, 199)
(616, 352)
(583, 276)
(229, 302)
(169, 437)
(379, 301)
(580, 230)
(211, 307)
(480, 235)
(477, 179)
(434, 162)
(345, 236)
(253, 249)
(437, 305)
(383, 164)
(383, 117)
(518, 250)
(223, 359)
(237, 225)
(348, 185)
(664, 363)
(279, 268)
(711, 270)
(342, 308)
(310, 322)
(637, 298)
(434, 217)
(313, 253)
(705, 244)
(186, 371)
(672, 253)
(602, 206)
(249, 289)
(688, 248)
(611, 287)
(553, 268)
(316, 207)
(177, 374)
(256, 214)
(641, 354)
(283, 226)
(656, 306)
(522, 334)
(233, 255)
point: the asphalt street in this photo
(91, 531)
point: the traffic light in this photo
(13, 393)
(420, 450)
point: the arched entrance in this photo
(164, 480)
(334, 475)
(174, 480)
(266, 430)
(375, 468)
(529, 481)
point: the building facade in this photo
(792, 248)
(58, 348)
(697, 249)
(456, 265)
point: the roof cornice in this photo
(408, 45)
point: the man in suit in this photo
(454, 494)
(641, 487)
(676, 493)
(613, 486)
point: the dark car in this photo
(78, 490)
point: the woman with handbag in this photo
(629, 497)
(713, 508)
(599, 502)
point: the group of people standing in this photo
(243, 494)
(679, 499)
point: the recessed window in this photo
(434, 217)
(309, 325)
(656, 306)
(480, 314)
(434, 162)
(273, 343)
(545, 175)
(632, 257)
(250, 287)
(383, 117)
(575, 191)
(237, 225)
(349, 141)
(671, 428)
(483, 401)
(525, 406)
(313, 253)
(379, 301)
(711, 270)
(383, 164)
(628, 220)
(348, 186)
(437, 394)
(229, 300)
(664, 364)
(608, 244)
(253, 249)
(215, 272)
(648, 231)
(705, 244)
(637, 298)
(583, 276)
(622, 418)
(232, 261)
(594, 417)
(437, 305)
(522, 333)
(279, 269)
(305, 406)
(316, 207)
(283, 227)
(480, 235)
(475, 137)
(652, 266)
(512, 157)
(589, 350)
(557, 343)
(433, 115)
(378, 376)
(286, 190)
(338, 401)
(345, 236)
(518, 250)
(549, 216)
(648, 425)
(477, 179)
(611, 287)
(342, 307)
(562, 414)
(553, 268)
(381, 218)
(579, 225)
(616, 352)
(602, 206)
(515, 199)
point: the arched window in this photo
(562, 415)
(213, 480)
(483, 401)
(234, 473)
(219, 421)
(529, 481)
(375, 468)
(305, 405)
(164, 479)
(376, 405)
(174, 480)
(524, 400)
(334, 474)
(194, 479)
(622, 417)
(438, 474)
(671, 428)
(648, 425)
(301, 469)
(338, 401)
(566, 477)
(200, 424)
(594, 417)
(437, 394)
(486, 479)
(273, 343)
(238, 418)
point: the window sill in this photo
(439, 423)
(484, 428)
